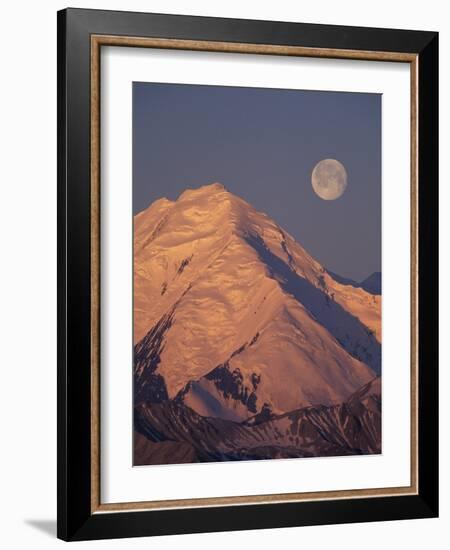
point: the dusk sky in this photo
(263, 144)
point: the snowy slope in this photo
(232, 315)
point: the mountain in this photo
(371, 284)
(172, 433)
(234, 321)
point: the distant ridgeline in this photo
(371, 284)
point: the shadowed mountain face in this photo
(351, 428)
(246, 347)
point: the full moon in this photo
(329, 179)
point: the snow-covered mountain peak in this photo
(231, 314)
(203, 190)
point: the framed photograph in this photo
(248, 295)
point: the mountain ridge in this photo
(349, 428)
(233, 316)
(371, 284)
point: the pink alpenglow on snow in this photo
(245, 346)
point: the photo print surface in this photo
(257, 273)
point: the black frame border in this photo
(75, 520)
